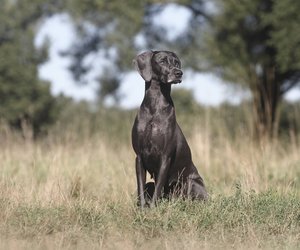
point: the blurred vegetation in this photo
(85, 120)
(75, 186)
(254, 44)
(25, 100)
(247, 45)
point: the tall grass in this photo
(76, 188)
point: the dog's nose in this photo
(178, 73)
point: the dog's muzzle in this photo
(176, 76)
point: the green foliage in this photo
(290, 120)
(108, 28)
(285, 36)
(249, 37)
(253, 44)
(247, 44)
(83, 120)
(184, 101)
(24, 98)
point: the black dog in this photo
(159, 144)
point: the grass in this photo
(242, 220)
(69, 192)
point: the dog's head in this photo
(163, 66)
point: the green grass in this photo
(243, 220)
(78, 191)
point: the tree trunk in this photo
(266, 99)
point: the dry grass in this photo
(80, 193)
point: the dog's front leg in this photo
(141, 180)
(161, 179)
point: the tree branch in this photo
(290, 83)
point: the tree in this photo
(250, 43)
(24, 98)
(112, 29)
(108, 29)
(256, 43)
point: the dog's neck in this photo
(157, 95)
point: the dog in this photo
(160, 146)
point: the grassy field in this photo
(79, 192)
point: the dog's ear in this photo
(142, 64)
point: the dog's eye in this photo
(163, 61)
(177, 65)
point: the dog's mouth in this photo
(175, 76)
(175, 81)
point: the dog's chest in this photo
(152, 129)
(153, 135)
